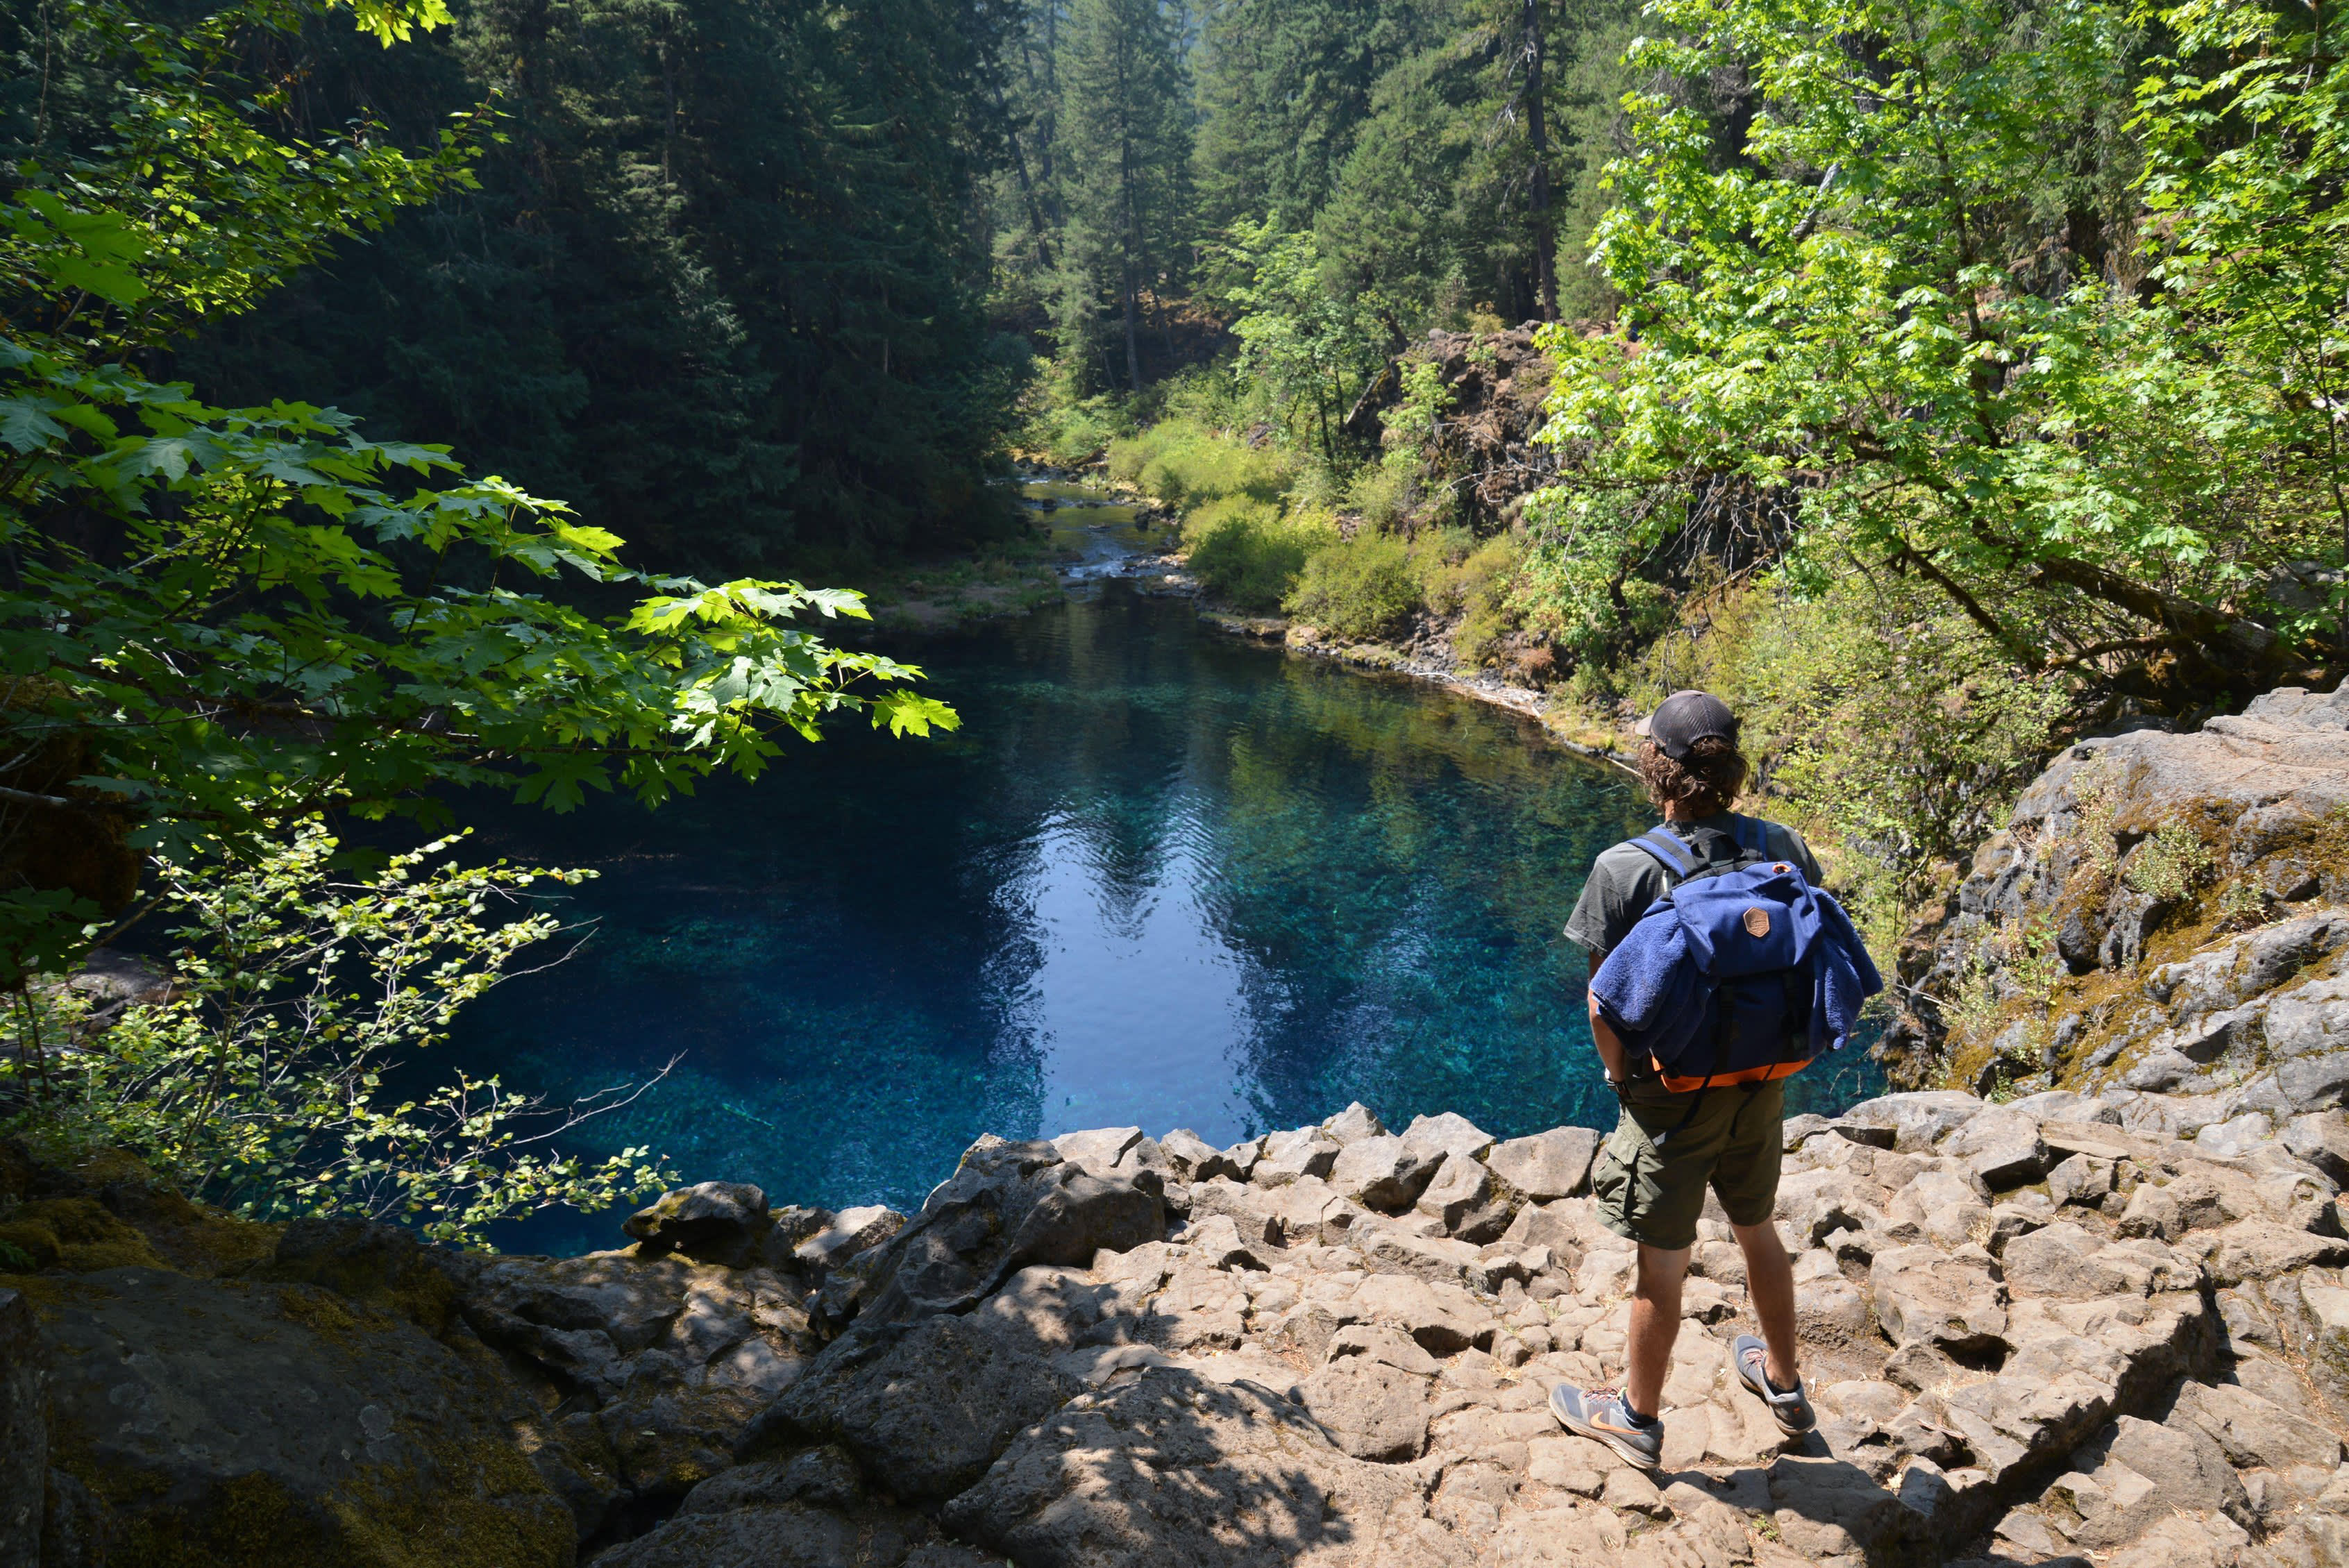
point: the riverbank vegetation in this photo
(1937, 381)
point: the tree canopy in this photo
(2070, 366)
(215, 621)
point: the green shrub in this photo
(1185, 465)
(257, 1085)
(1361, 588)
(1383, 492)
(1481, 589)
(1245, 553)
(1071, 435)
(2171, 864)
(1218, 397)
(1877, 715)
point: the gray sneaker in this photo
(1599, 1414)
(1790, 1408)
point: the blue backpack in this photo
(1768, 974)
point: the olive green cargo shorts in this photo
(1652, 1173)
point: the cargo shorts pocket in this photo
(1615, 1178)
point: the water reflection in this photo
(1159, 878)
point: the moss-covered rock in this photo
(2129, 853)
(245, 1424)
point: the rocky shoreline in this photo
(2110, 1327)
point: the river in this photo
(1160, 877)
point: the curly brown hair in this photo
(1707, 782)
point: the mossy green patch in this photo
(76, 1234)
(400, 1283)
(468, 1496)
(248, 1523)
(490, 1510)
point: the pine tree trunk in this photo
(1027, 193)
(1538, 137)
(1132, 355)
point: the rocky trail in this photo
(2103, 1322)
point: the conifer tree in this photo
(1125, 146)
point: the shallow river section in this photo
(1160, 877)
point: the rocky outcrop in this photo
(1483, 447)
(195, 1419)
(2066, 1327)
(2156, 903)
(23, 1432)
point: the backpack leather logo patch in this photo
(1757, 920)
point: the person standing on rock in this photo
(1670, 1145)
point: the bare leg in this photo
(1655, 1323)
(1770, 1281)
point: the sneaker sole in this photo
(1619, 1444)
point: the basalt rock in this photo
(2141, 918)
(24, 1430)
(1007, 1206)
(2106, 1327)
(203, 1421)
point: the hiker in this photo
(1728, 971)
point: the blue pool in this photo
(1160, 876)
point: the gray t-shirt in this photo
(1625, 880)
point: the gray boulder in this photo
(1372, 1410)
(2309, 1019)
(2187, 1469)
(2168, 1210)
(825, 1477)
(1942, 1205)
(2001, 1147)
(1948, 1302)
(1915, 1120)
(2315, 1082)
(2321, 1138)
(1216, 1240)
(924, 1409)
(1009, 1205)
(2080, 1179)
(2252, 1432)
(1113, 1152)
(1445, 1318)
(2068, 1263)
(1546, 1165)
(1353, 1124)
(24, 1430)
(1383, 1172)
(1447, 1134)
(794, 1535)
(1173, 1469)
(1287, 1156)
(847, 1234)
(711, 1221)
(1194, 1159)
(1461, 1198)
(205, 1406)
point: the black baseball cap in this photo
(1685, 717)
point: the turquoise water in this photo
(1160, 877)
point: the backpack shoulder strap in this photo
(1751, 835)
(1669, 851)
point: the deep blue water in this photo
(1159, 877)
